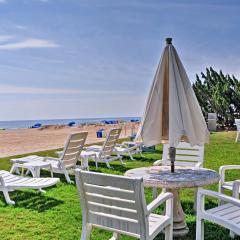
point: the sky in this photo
(97, 58)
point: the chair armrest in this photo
(223, 169)
(2, 183)
(163, 197)
(235, 192)
(52, 159)
(158, 162)
(199, 165)
(223, 197)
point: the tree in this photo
(218, 93)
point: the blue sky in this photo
(97, 58)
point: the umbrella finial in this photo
(168, 40)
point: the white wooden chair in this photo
(186, 156)
(117, 204)
(223, 184)
(226, 215)
(237, 122)
(104, 153)
(10, 182)
(70, 155)
(129, 148)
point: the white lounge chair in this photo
(70, 155)
(186, 156)
(117, 204)
(10, 182)
(237, 122)
(226, 215)
(104, 153)
(129, 148)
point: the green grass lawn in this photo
(57, 214)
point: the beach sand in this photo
(22, 141)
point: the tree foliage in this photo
(218, 93)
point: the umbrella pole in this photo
(172, 155)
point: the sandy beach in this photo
(21, 141)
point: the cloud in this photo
(11, 89)
(5, 38)
(29, 43)
(21, 27)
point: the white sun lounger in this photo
(10, 182)
(104, 153)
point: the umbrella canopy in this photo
(172, 112)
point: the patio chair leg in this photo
(116, 236)
(7, 197)
(131, 157)
(120, 159)
(108, 165)
(67, 177)
(86, 231)
(195, 200)
(200, 229)
(42, 191)
(169, 232)
(237, 137)
(154, 193)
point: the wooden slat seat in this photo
(11, 182)
(227, 215)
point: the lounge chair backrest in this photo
(237, 122)
(186, 155)
(111, 141)
(73, 148)
(113, 203)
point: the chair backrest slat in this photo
(111, 141)
(112, 202)
(186, 155)
(73, 148)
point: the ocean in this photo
(29, 123)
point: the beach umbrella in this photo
(172, 112)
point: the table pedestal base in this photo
(180, 228)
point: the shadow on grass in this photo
(33, 200)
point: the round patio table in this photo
(161, 177)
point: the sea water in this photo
(29, 123)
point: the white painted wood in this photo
(104, 153)
(10, 182)
(117, 204)
(70, 155)
(186, 156)
(66, 162)
(226, 215)
(229, 185)
(129, 149)
(237, 122)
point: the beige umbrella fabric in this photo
(172, 112)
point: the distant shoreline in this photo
(26, 141)
(23, 124)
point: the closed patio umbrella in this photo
(172, 112)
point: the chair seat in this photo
(156, 223)
(17, 182)
(226, 215)
(87, 154)
(94, 148)
(121, 149)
